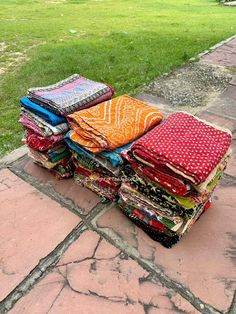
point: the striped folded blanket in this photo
(71, 94)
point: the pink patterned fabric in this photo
(30, 125)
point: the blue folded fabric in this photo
(45, 114)
(113, 157)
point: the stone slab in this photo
(31, 226)
(14, 155)
(204, 260)
(218, 120)
(233, 81)
(95, 277)
(83, 198)
(160, 103)
(231, 167)
(225, 105)
(222, 56)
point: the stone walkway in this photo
(64, 251)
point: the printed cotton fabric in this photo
(183, 147)
(92, 160)
(39, 142)
(113, 123)
(45, 127)
(69, 95)
(156, 220)
(63, 169)
(103, 185)
(41, 112)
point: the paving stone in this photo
(68, 188)
(218, 120)
(221, 57)
(233, 81)
(231, 167)
(14, 155)
(232, 44)
(31, 226)
(225, 104)
(94, 277)
(160, 103)
(204, 260)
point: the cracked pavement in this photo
(62, 250)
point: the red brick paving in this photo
(224, 55)
(94, 277)
(31, 226)
(203, 259)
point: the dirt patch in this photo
(9, 59)
(191, 85)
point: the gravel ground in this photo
(191, 85)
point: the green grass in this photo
(125, 43)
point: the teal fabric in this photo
(113, 157)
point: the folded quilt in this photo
(105, 186)
(174, 183)
(150, 209)
(57, 150)
(185, 148)
(44, 158)
(163, 197)
(154, 233)
(155, 216)
(45, 127)
(113, 157)
(31, 125)
(94, 160)
(39, 142)
(41, 112)
(71, 94)
(113, 123)
(62, 170)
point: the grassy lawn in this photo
(125, 43)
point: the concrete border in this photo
(13, 156)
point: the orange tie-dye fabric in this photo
(112, 123)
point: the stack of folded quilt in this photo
(100, 134)
(43, 115)
(172, 173)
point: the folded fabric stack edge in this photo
(100, 134)
(173, 172)
(162, 174)
(43, 114)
